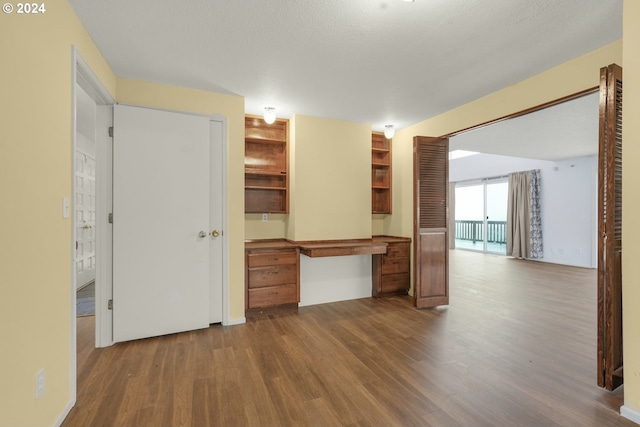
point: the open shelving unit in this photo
(266, 166)
(380, 174)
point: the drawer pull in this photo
(274, 259)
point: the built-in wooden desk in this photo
(272, 275)
(316, 249)
(391, 271)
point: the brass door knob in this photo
(216, 233)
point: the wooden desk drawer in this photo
(271, 276)
(261, 259)
(273, 295)
(398, 250)
(395, 283)
(395, 265)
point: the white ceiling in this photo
(369, 61)
(560, 132)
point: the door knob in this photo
(215, 233)
(202, 234)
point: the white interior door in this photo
(161, 214)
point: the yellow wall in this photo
(35, 175)
(272, 228)
(156, 95)
(378, 223)
(631, 204)
(330, 164)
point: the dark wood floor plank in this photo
(515, 347)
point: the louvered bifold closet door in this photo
(431, 250)
(610, 229)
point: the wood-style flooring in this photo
(515, 347)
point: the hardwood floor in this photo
(516, 347)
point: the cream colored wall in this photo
(378, 224)
(35, 176)
(631, 205)
(330, 166)
(136, 92)
(273, 228)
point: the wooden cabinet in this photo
(272, 276)
(391, 271)
(380, 174)
(266, 166)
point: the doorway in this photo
(481, 215)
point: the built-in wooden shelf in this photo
(380, 174)
(254, 187)
(266, 166)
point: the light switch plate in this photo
(40, 383)
(65, 208)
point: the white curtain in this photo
(524, 224)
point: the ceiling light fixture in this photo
(269, 114)
(389, 131)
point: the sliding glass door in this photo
(481, 215)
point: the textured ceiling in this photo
(560, 132)
(369, 61)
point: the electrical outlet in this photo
(265, 216)
(41, 384)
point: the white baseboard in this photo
(232, 322)
(64, 414)
(630, 414)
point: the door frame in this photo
(484, 182)
(224, 153)
(83, 76)
(108, 259)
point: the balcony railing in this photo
(472, 231)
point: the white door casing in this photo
(217, 237)
(161, 222)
